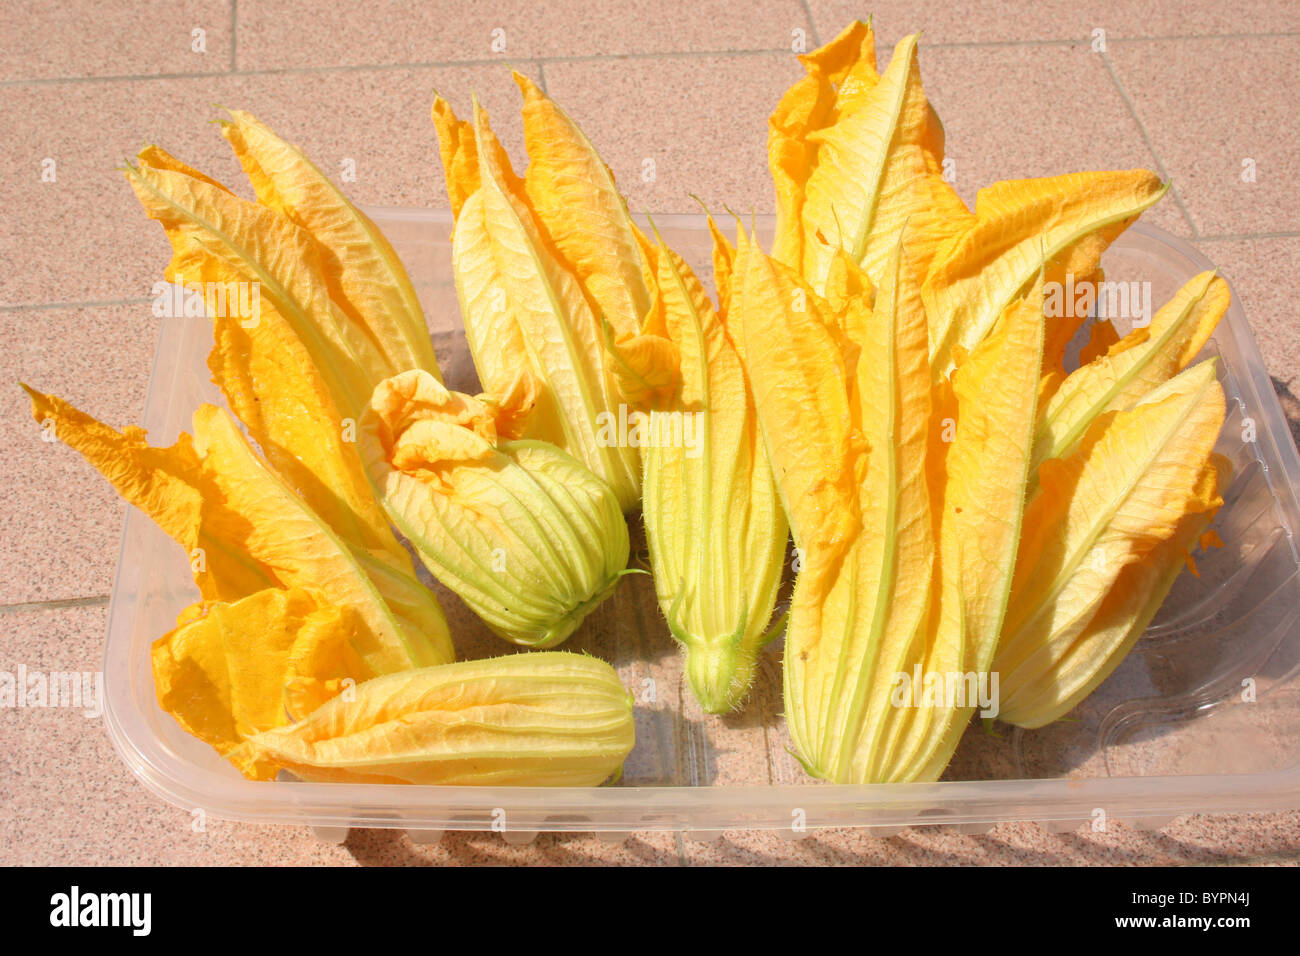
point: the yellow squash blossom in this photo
(528, 537)
(547, 719)
(287, 600)
(1138, 492)
(553, 284)
(907, 541)
(714, 525)
(877, 245)
(857, 160)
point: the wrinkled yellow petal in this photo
(840, 75)
(224, 673)
(279, 259)
(458, 149)
(521, 531)
(1068, 220)
(573, 195)
(1145, 358)
(1108, 505)
(156, 157)
(800, 382)
(364, 274)
(169, 485)
(874, 176)
(724, 264)
(645, 368)
(544, 719)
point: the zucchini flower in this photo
(907, 540)
(857, 160)
(296, 602)
(714, 525)
(528, 537)
(553, 283)
(1107, 533)
(550, 719)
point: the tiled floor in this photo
(1199, 91)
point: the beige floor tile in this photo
(60, 527)
(1014, 111)
(280, 35)
(682, 125)
(88, 38)
(1209, 106)
(84, 237)
(1260, 272)
(992, 21)
(66, 797)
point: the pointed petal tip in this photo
(527, 85)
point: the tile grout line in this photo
(58, 604)
(378, 67)
(1263, 35)
(640, 55)
(1228, 237)
(86, 304)
(812, 23)
(1150, 144)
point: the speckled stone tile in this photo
(1261, 273)
(84, 237)
(274, 34)
(77, 38)
(992, 21)
(1012, 112)
(1220, 112)
(61, 523)
(668, 138)
(68, 799)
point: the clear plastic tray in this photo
(1169, 733)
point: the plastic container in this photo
(1174, 730)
